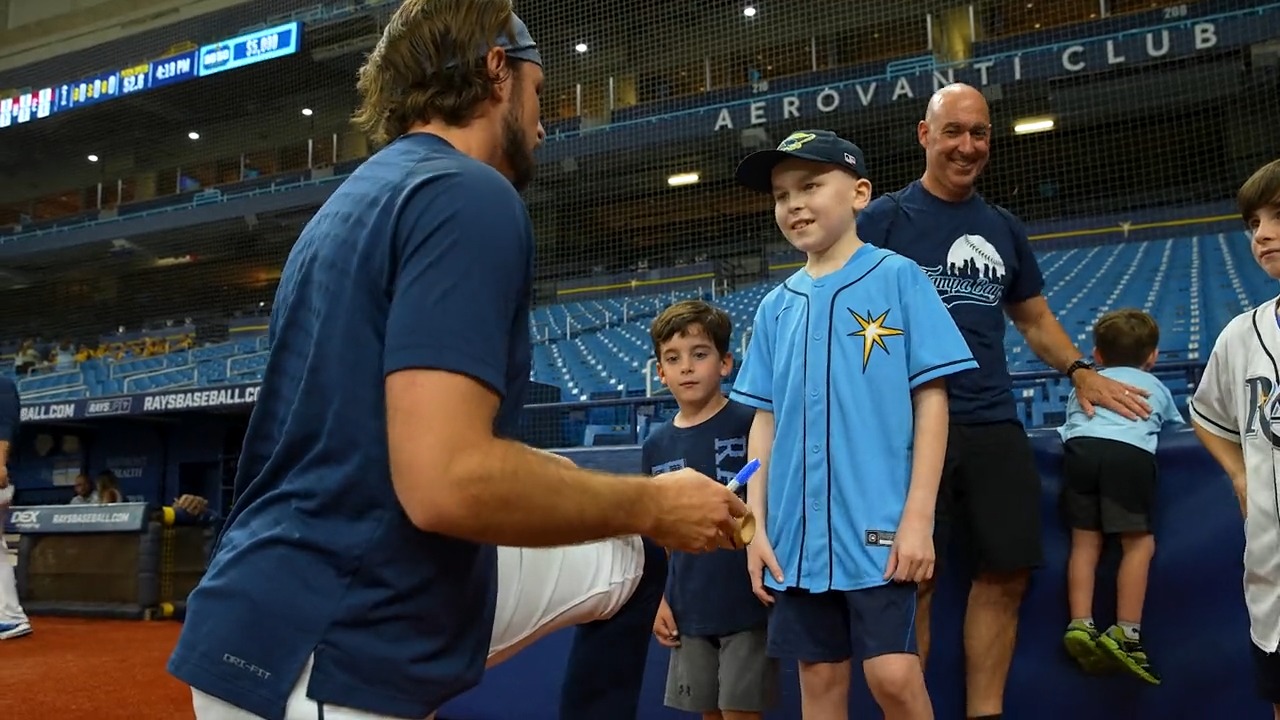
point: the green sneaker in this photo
(1081, 642)
(1128, 653)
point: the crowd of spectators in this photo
(35, 355)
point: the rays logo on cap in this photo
(795, 140)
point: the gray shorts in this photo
(731, 672)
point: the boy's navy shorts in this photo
(840, 625)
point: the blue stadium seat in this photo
(1192, 286)
(600, 348)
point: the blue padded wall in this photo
(1195, 625)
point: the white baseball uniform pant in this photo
(10, 609)
(540, 591)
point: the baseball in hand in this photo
(746, 530)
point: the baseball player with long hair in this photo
(356, 573)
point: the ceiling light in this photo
(193, 135)
(1032, 125)
(580, 47)
(306, 111)
(682, 179)
(749, 11)
(93, 158)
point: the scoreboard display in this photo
(248, 49)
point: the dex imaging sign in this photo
(67, 519)
(1087, 56)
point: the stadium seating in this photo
(1192, 286)
(237, 361)
(600, 348)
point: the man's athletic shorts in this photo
(989, 499)
(540, 590)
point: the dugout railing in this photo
(122, 560)
(1040, 397)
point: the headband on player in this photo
(755, 172)
(519, 45)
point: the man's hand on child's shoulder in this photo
(1094, 389)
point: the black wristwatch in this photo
(1080, 364)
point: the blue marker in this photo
(744, 475)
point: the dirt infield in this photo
(70, 669)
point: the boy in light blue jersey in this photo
(1109, 487)
(846, 371)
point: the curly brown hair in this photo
(429, 65)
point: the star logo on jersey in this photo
(873, 332)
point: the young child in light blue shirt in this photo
(1109, 488)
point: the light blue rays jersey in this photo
(835, 359)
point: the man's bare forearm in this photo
(760, 447)
(930, 449)
(506, 493)
(1050, 342)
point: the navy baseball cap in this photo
(519, 44)
(755, 172)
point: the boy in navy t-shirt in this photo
(709, 618)
(1109, 488)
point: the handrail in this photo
(245, 356)
(1170, 367)
(42, 375)
(55, 391)
(194, 373)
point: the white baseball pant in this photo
(10, 609)
(540, 590)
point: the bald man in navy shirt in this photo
(982, 264)
(356, 571)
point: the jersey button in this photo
(815, 448)
(817, 505)
(817, 337)
(813, 393)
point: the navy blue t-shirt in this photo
(979, 259)
(10, 409)
(423, 258)
(709, 593)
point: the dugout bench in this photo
(123, 560)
